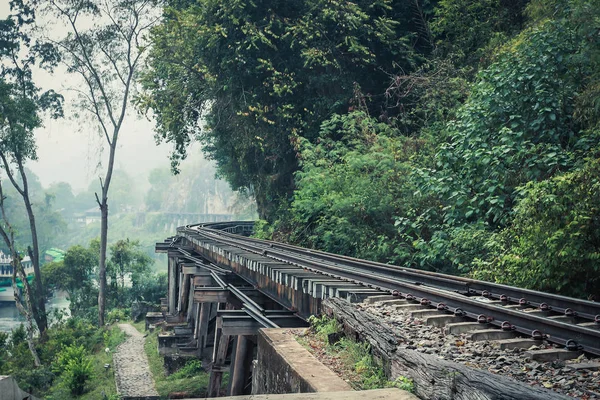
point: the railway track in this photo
(569, 322)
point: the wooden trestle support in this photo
(209, 310)
(219, 296)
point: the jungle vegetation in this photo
(458, 136)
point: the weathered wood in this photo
(203, 280)
(218, 366)
(239, 325)
(172, 288)
(238, 373)
(364, 327)
(203, 325)
(191, 307)
(433, 377)
(194, 270)
(184, 291)
(211, 295)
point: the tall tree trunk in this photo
(25, 309)
(102, 266)
(38, 301)
(104, 228)
(39, 314)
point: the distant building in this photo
(6, 273)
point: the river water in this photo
(10, 317)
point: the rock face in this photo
(132, 373)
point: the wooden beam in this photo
(172, 288)
(191, 310)
(204, 320)
(211, 295)
(288, 321)
(238, 373)
(162, 247)
(240, 325)
(219, 355)
(195, 270)
(203, 280)
(184, 291)
(238, 322)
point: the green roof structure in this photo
(55, 254)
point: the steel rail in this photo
(569, 335)
(568, 306)
(200, 263)
(248, 305)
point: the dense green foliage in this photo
(72, 354)
(251, 78)
(451, 135)
(74, 364)
(130, 278)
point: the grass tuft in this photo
(350, 359)
(189, 379)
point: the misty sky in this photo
(70, 149)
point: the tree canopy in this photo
(421, 133)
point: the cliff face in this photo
(200, 194)
(195, 190)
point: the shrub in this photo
(189, 370)
(324, 326)
(75, 368)
(117, 314)
(113, 338)
(403, 383)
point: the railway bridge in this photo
(224, 286)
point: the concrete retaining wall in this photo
(284, 366)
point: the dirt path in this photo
(132, 372)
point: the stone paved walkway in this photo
(132, 372)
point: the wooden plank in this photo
(194, 270)
(435, 378)
(203, 280)
(219, 354)
(211, 295)
(184, 294)
(203, 324)
(235, 326)
(238, 365)
(172, 288)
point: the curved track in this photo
(570, 322)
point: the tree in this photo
(74, 275)
(26, 305)
(250, 79)
(106, 57)
(64, 199)
(507, 134)
(127, 259)
(20, 107)
(554, 244)
(351, 187)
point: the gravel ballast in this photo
(558, 375)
